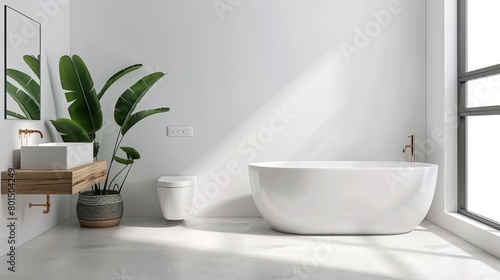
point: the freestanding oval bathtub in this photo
(343, 197)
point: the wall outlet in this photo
(179, 131)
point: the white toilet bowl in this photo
(176, 194)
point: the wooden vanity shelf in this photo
(67, 181)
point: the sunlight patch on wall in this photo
(277, 131)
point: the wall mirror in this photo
(22, 66)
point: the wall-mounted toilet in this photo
(176, 194)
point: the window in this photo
(479, 110)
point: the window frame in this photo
(463, 112)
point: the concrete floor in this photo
(243, 249)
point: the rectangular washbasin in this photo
(57, 155)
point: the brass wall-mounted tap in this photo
(25, 133)
(30, 131)
(412, 147)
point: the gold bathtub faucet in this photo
(412, 147)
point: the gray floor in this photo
(244, 249)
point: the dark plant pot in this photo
(98, 211)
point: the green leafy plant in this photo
(86, 116)
(25, 91)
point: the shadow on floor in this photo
(155, 259)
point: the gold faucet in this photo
(412, 147)
(30, 131)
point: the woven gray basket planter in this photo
(97, 211)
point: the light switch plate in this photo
(179, 131)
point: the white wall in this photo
(441, 126)
(54, 16)
(235, 65)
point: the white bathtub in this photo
(335, 197)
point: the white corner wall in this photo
(441, 126)
(54, 16)
(259, 81)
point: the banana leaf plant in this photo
(24, 90)
(86, 116)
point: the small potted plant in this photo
(102, 206)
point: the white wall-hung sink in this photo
(57, 155)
